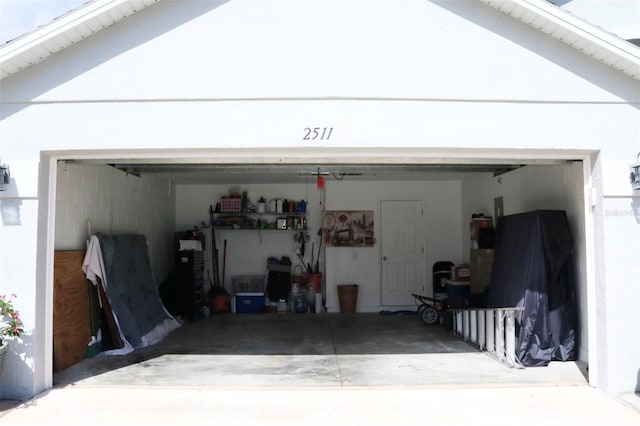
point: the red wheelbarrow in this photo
(430, 309)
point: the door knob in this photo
(384, 257)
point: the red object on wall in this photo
(461, 273)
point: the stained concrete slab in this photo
(323, 351)
(317, 370)
(487, 405)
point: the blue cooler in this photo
(458, 288)
(249, 303)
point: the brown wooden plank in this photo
(110, 336)
(71, 320)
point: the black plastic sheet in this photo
(533, 269)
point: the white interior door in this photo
(402, 249)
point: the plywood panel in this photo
(71, 320)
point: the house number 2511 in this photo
(317, 133)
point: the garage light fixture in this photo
(336, 175)
(127, 169)
(320, 175)
(634, 171)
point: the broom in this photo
(94, 347)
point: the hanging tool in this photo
(319, 247)
(301, 238)
(214, 250)
(224, 262)
(298, 251)
(312, 253)
(309, 267)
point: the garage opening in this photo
(163, 200)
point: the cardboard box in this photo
(476, 224)
(279, 267)
(481, 264)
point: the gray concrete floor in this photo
(317, 370)
(310, 351)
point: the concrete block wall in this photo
(115, 202)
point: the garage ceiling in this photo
(291, 173)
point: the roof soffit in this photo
(65, 31)
(575, 32)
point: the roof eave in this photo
(574, 31)
(65, 31)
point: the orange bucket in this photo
(314, 281)
(220, 304)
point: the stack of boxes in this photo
(481, 257)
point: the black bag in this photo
(278, 285)
(441, 271)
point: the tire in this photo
(421, 309)
(429, 315)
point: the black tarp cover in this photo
(533, 269)
(132, 292)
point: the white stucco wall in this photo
(113, 202)
(248, 250)
(362, 266)
(622, 229)
(344, 264)
(417, 79)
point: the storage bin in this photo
(248, 283)
(249, 303)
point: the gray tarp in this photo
(132, 291)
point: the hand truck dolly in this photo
(430, 309)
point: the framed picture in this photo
(347, 228)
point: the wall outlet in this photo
(498, 207)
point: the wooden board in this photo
(71, 320)
(110, 336)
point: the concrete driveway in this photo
(318, 369)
